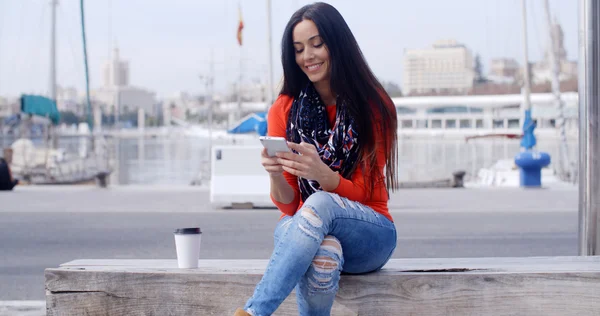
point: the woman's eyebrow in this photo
(310, 39)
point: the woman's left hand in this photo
(308, 165)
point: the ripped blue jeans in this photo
(327, 236)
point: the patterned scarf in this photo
(337, 146)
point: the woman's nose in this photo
(308, 54)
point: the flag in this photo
(240, 27)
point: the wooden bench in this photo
(475, 286)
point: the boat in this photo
(47, 163)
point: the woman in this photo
(332, 189)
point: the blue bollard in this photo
(531, 164)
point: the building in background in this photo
(447, 66)
(4, 108)
(69, 100)
(542, 71)
(182, 105)
(504, 70)
(117, 94)
(253, 91)
(116, 71)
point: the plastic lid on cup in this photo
(188, 231)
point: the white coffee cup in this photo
(187, 244)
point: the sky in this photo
(170, 44)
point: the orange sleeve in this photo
(354, 189)
(276, 126)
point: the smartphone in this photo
(274, 144)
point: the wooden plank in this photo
(97, 303)
(477, 286)
(124, 293)
(490, 264)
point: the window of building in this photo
(479, 123)
(450, 123)
(405, 110)
(513, 123)
(465, 123)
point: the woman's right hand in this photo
(270, 164)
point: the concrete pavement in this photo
(42, 227)
(194, 199)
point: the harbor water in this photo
(178, 160)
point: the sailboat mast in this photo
(52, 92)
(530, 160)
(89, 111)
(210, 81)
(51, 130)
(270, 54)
(527, 86)
(563, 163)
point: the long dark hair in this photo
(353, 81)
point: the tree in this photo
(478, 68)
(392, 89)
(152, 121)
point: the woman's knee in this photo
(322, 199)
(324, 274)
(316, 210)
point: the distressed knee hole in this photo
(332, 245)
(286, 223)
(322, 278)
(311, 217)
(325, 263)
(320, 287)
(338, 200)
(308, 232)
(317, 285)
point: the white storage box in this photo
(238, 177)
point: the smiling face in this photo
(311, 52)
